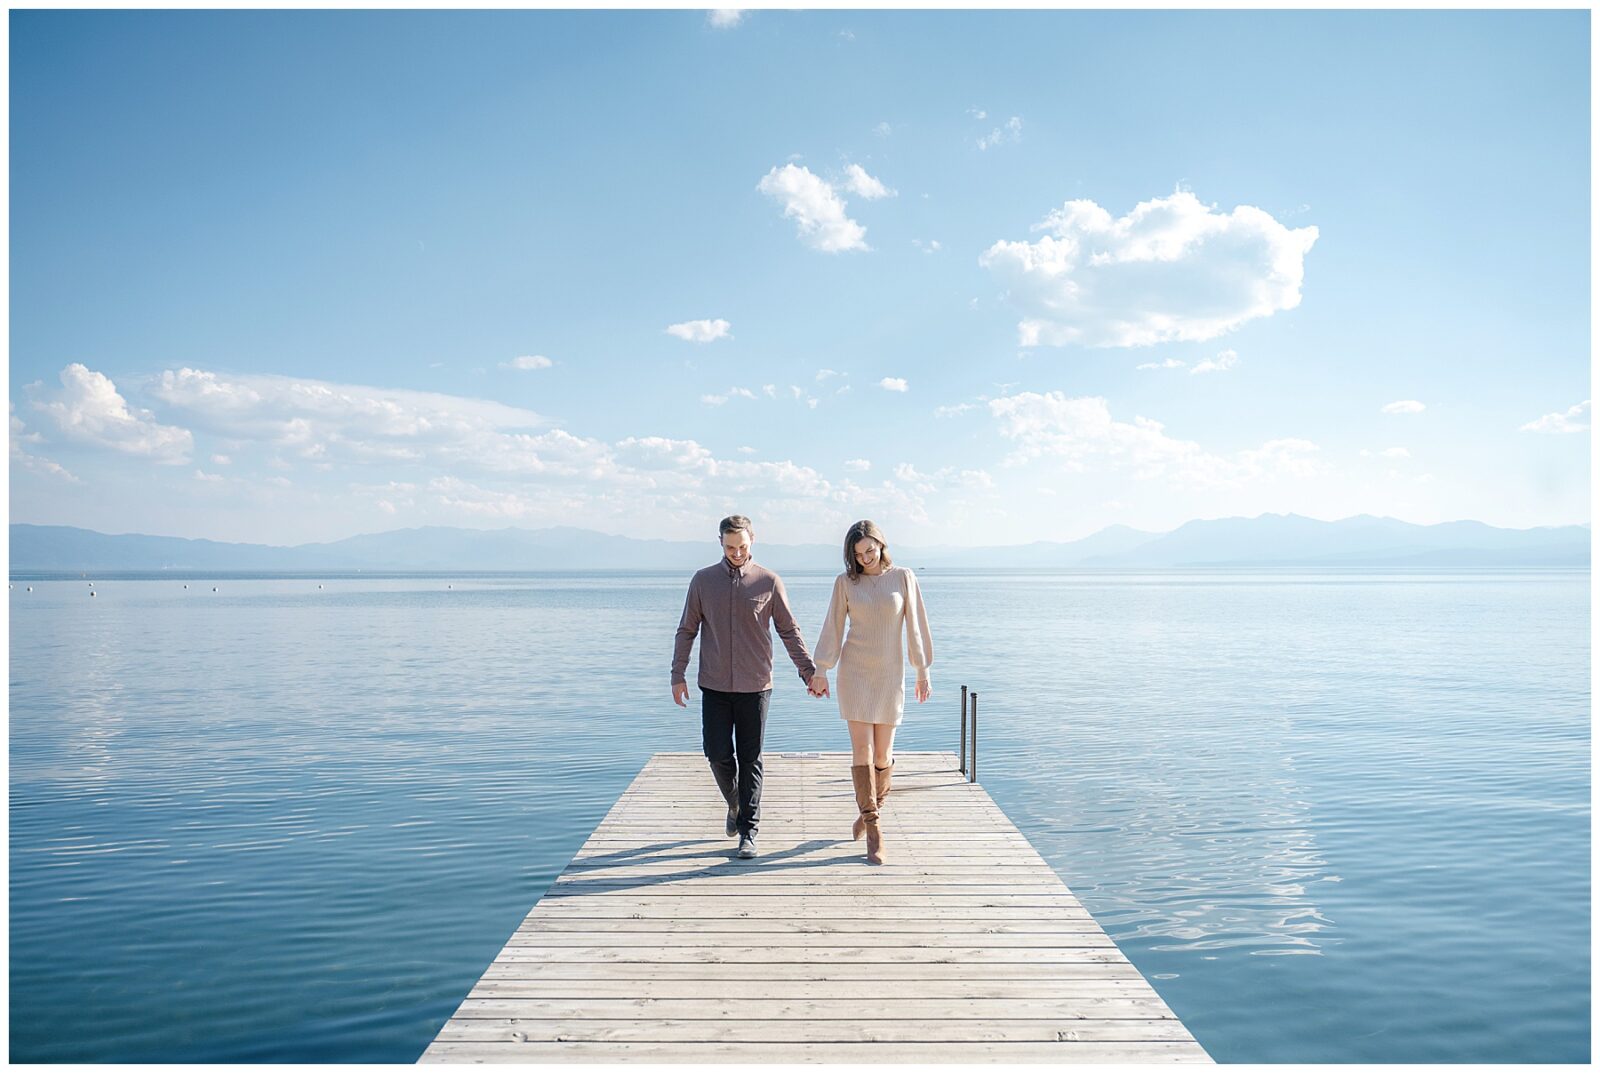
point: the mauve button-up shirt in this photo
(732, 609)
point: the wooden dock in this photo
(658, 945)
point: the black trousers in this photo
(731, 728)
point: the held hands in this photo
(924, 689)
(818, 686)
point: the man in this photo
(731, 605)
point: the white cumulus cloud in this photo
(700, 331)
(725, 18)
(864, 185)
(857, 465)
(90, 410)
(1561, 423)
(893, 383)
(1171, 270)
(1404, 406)
(816, 208)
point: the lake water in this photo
(1332, 817)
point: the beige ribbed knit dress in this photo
(882, 610)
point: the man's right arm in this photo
(688, 628)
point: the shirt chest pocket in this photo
(757, 605)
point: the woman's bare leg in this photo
(861, 742)
(882, 743)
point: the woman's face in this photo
(869, 555)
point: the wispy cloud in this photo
(1011, 131)
(327, 423)
(30, 462)
(857, 465)
(731, 393)
(90, 410)
(818, 211)
(893, 383)
(725, 18)
(1081, 431)
(943, 479)
(1227, 359)
(1404, 406)
(955, 410)
(700, 331)
(1561, 423)
(1173, 269)
(1170, 363)
(528, 361)
(931, 246)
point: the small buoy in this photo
(319, 586)
(30, 588)
(213, 588)
(186, 586)
(91, 592)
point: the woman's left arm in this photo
(919, 642)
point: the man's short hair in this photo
(733, 523)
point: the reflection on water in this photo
(278, 822)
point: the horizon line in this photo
(781, 544)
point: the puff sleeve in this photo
(831, 642)
(919, 642)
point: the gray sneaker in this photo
(747, 846)
(731, 828)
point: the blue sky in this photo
(985, 278)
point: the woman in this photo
(883, 603)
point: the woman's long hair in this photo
(863, 530)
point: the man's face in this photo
(736, 546)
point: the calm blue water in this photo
(1333, 817)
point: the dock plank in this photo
(657, 945)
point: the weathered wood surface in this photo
(656, 944)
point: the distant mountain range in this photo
(1270, 540)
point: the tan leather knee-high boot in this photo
(882, 777)
(867, 802)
